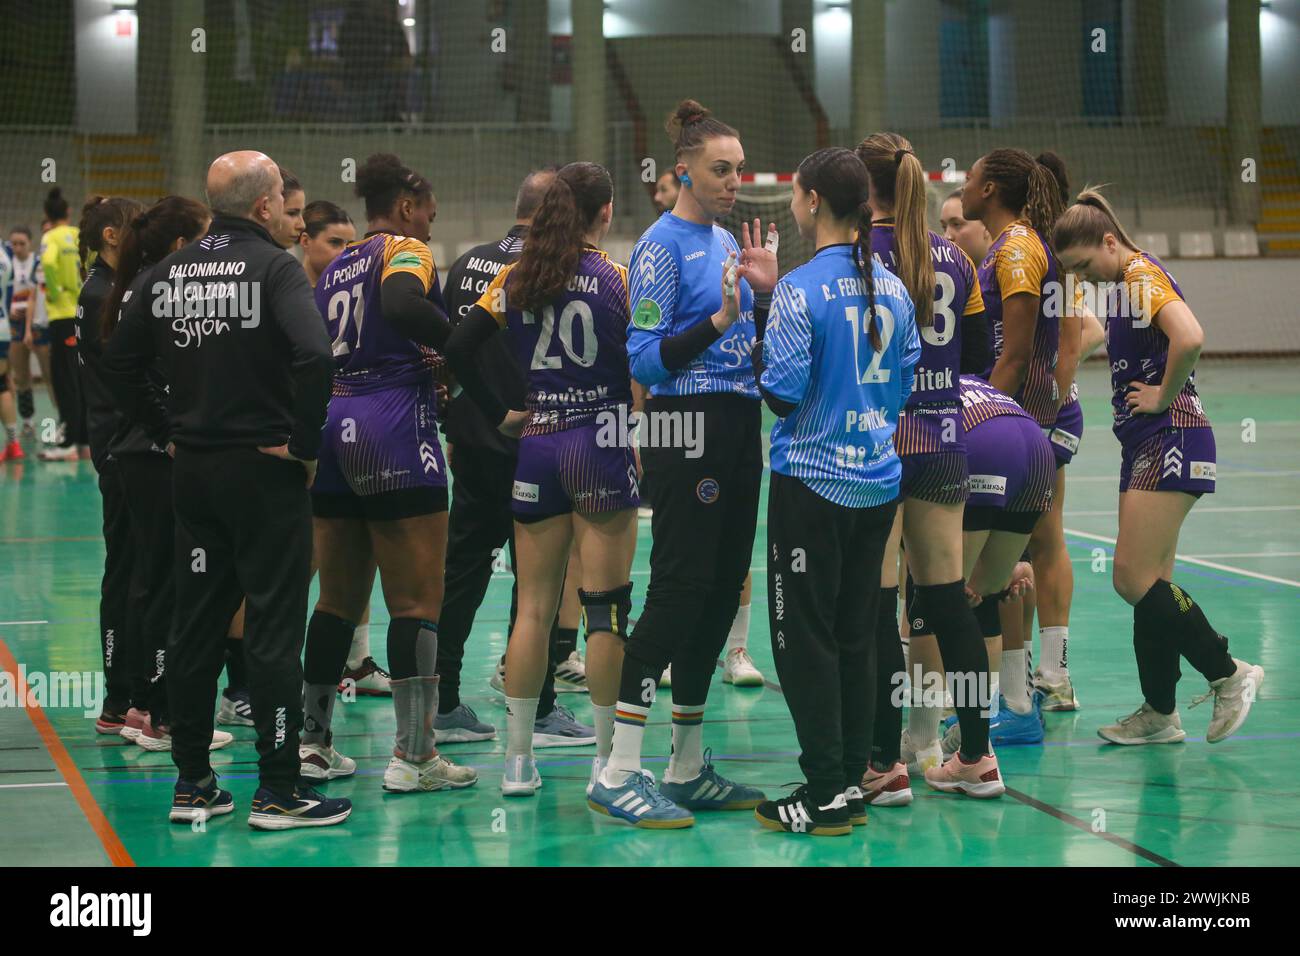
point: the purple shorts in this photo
(1173, 459)
(380, 458)
(1066, 432)
(1012, 468)
(941, 477)
(567, 471)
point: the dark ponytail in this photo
(56, 207)
(840, 179)
(1027, 186)
(148, 239)
(555, 238)
(100, 213)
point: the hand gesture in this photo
(513, 424)
(1144, 399)
(758, 263)
(282, 452)
(725, 317)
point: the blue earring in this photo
(685, 179)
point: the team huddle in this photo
(256, 420)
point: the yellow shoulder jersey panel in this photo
(975, 298)
(1021, 263)
(493, 299)
(1147, 287)
(404, 254)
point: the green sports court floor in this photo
(68, 796)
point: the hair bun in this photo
(55, 193)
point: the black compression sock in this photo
(566, 642)
(329, 639)
(1168, 613)
(964, 656)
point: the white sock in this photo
(360, 646)
(687, 758)
(1015, 684)
(521, 714)
(922, 721)
(995, 688)
(625, 752)
(1054, 641)
(738, 637)
(603, 718)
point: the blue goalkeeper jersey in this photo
(817, 355)
(675, 282)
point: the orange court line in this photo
(108, 837)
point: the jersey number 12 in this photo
(874, 375)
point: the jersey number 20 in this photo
(575, 309)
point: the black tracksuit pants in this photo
(116, 639)
(243, 528)
(65, 376)
(823, 570)
(479, 525)
(147, 479)
(705, 516)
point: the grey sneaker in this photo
(1145, 725)
(1233, 697)
(461, 726)
(559, 729)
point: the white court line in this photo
(1249, 554)
(1199, 511)
(1205, 564)
(29, 786)
(5, 623)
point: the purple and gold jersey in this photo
(1019, 261)
(574, 350)
(369, 354)
(956, 295)
(980, 401)
(1138, 349)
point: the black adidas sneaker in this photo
(799, 813)
(857, 805)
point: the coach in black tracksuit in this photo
(251, 372)
(483, 463)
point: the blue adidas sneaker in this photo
(712, 791)
(305, 807)
(1009, 728)
(638, 802)
(192, 802)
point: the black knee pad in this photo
(916, 622)
(26, 403)
(987, 614)
(606, 610)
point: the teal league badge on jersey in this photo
(647, 314)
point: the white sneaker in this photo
(666, 678)
(498, 680)
(320, 762)
(919, 761)
(59, 453)
(571, 675)
(438, 773)
(367, 679)
(739, 669)
(159, 739)
(1058, 692)
(1145, 726)
(221, 739)
(521, 778)
(1233, 697)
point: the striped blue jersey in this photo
(675, 282)
(839, 440)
